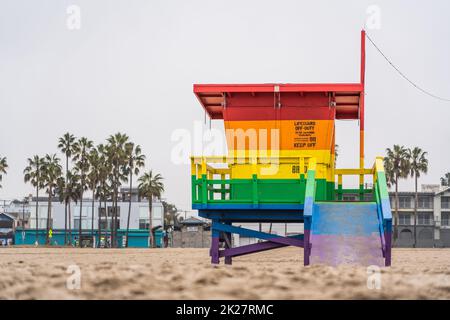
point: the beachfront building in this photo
(19, 210)
(13, 214)
(94, 213)
(192, 233)
(7, 227)
(432, 221)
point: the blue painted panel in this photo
(386, 207)
(388, 226)
(309, 206)
(215, 232)
(307, 223)
(357, 219)
(253, 215)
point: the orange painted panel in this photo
(280, 134)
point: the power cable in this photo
(403, 75)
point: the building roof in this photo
(192, 221)
(7, 215)
(443, 190)
(412, 193)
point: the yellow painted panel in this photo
(289, 168)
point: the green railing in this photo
(213, 185)
(340, 192)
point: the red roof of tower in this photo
(344, 96)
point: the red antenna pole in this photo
(361, 108)
(363, 55)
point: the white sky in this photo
(131, 67)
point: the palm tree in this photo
(63, 198)
(418, 164)
(396, 165)
(117, 157)
(104, 190)
(51, 178)
(66, 146)
(389, 173)
(151, 187)
(33, 174)
(93, 178)
(136, 160)
(445, 180)
(81, 150)
(3, 167)
(170, 214)
(68, 191)
(73, 195)
(25, 201)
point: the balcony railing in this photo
(212, 181)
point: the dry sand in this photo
(41, 273)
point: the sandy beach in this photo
(44, 273)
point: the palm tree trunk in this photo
(116, 208)
(65, 222)
(114, 219)
(99, 220)
(65, 208)
(415, 211)
(49, 204)
(81, 208)
(37, 214)
(70, 224)
(106, 221)
(92, 222)
(129, 211)
(150, 224)
(396, 210)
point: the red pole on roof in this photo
(361, 106)
(363, 55)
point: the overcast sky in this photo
(131, 66)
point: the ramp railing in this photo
(308, 211)
(381, 195)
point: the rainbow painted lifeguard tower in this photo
(280, 168)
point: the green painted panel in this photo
(271, 192)
(267, 190)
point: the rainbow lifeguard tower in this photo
(280, 168)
